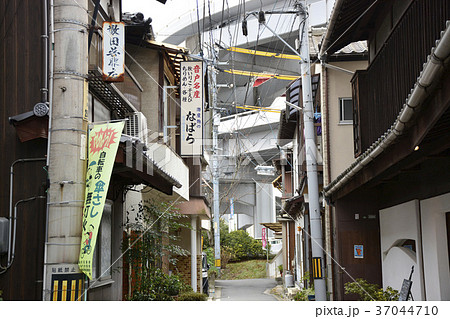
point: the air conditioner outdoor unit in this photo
(136, 126)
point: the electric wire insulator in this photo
(261, 17)
(244, 28)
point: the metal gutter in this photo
(433, 69)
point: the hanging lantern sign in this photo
(113, 51)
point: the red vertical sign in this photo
(264, 239)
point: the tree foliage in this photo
(240, 245)
(150, 237)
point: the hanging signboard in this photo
(103, 143)
(191, 99)
(113, 51)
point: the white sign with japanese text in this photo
(113, 51)
(191, 99)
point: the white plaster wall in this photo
(272, 266)
(251, 231)
(146, 71)
(264, 206)
(244, 220)
(340, 135)
(396, 223)
(436, 258)
(295, 161)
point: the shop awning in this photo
(195, 206)
(132, 166)
(292, 206)
(275, 227)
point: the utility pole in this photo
(215, 173)
(67, 138)
(310, 143)
(311, 160)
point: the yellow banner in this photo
(103, 143)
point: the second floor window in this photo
(345, 111)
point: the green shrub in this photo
(192, 296)
(209, 255)
(226, 254)
(213, 271)
(370, 292)
(157, 286)
(242, 245)
(303, 294)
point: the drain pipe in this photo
(11, 253)
(44, 37)
(51, 44)
(49, 7)
(11, 190)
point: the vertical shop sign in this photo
(191, 98)
(263, 237)
(113, 51)
(103, 143)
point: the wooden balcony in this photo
(379, 92)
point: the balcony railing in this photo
(380, 91)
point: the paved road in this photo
(245, 290)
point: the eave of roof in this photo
(346, 24)
(275, 227)
(175, 54)
(149, 169)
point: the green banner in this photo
(103, 143)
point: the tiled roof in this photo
(354, 47)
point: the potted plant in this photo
(280, 268)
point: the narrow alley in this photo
(245, 290)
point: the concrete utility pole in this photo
(67, 136)
(311, 160)
(215, 173)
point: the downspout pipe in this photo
(51, 46)
(11, 253)
(11, 191)
(50, 17)
(44, 37)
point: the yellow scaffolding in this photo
(269, 75)
(266, 54)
